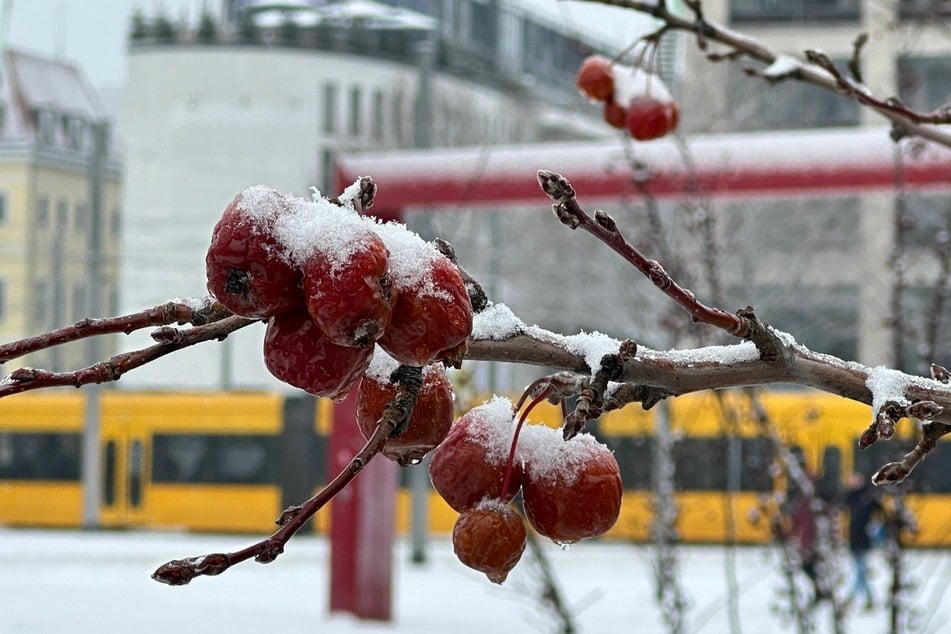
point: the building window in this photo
(62, 213)
(793, 10)
(923, 9)
(41, 304)
(356, 110)
(3, 207)
(924, 83)
(116, 221)
(398, 130)
(79, 302)
(42, 211)
(80, 216)
(379, 100)
(327, 169)
(485, 25)
(330, 108)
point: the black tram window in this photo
(39, 456)
(635, 457)
(703, 464)
(700, 464)
(214, 458)
(828, 486)
(757, 462)
(109, 475)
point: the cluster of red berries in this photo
(634, 100)
(571, 490)
(333, 285)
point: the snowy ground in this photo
(52, 581)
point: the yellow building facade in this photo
(60, 195)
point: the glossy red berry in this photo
(432, 314)
(489, 538)
(615, 115)
(349, 297)
(470, 464)
(572, 489)
(595, 79)
(647, 118)
(429, 423)
(246, 266)
(673, 116)
(298, 353)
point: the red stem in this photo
(518, 428)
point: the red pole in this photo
(361, 524)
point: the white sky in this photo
(92, 33)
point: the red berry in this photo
(572, 489)
(489, 538)
(298, 353)
(245, 265)
(615, 114)
(595, 79)
(470, 464)
(647, 118)
(349, 298)
(432, 314)
(673, 116)
(431, 418)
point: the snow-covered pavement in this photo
(71, 581)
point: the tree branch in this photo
(906, 121)
(179, 572)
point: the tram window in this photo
(39, 456)
(237, 459)
(109, 479)
(635, 457)
(702, 464)
(829, 484)
(756, 470)
(931, 475)
(135, 473)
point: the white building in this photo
(267, 95)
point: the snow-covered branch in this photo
(814, 68)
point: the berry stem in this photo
(518, 428)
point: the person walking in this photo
(865, 513)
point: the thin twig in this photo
(172, 340)
(200, 312)
(181, 571)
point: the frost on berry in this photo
(489, 538)
(345, 269)
(571, 489)
(432, 314)
(470, 464)
(297, 352)
(431, 417)
(244, 264)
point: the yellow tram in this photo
(232, 461)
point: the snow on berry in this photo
(244, 265)
(494, 430)
(634, 81)
(412, 259)
(320, 226)
(432, 314)
(548, 456)
(571, 489)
